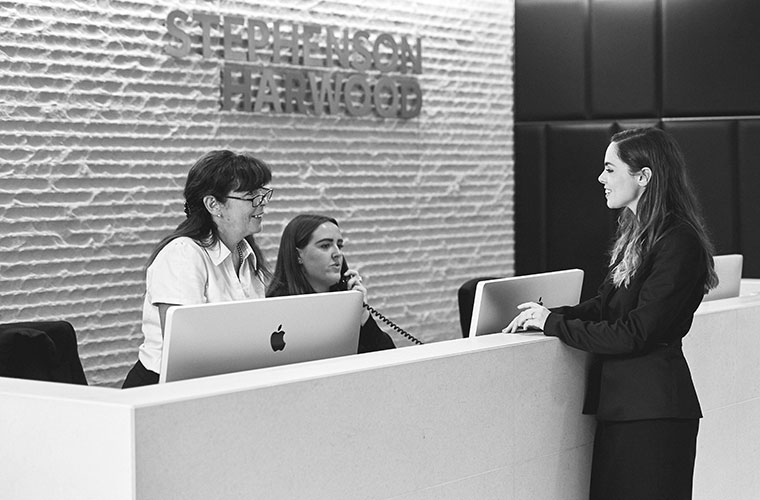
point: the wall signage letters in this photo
(284, 67)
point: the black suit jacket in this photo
(639, 371)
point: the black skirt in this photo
(644, 460)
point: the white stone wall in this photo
(99, 126)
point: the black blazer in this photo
(639, 371)
(373, 338)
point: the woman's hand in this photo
(354, 282)
(533, 315)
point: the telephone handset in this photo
(343, 285)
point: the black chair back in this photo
(41, 350)
(466, 297)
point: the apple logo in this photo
(277, 340)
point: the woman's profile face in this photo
(238, 217)
(322, 257)
(621, 188)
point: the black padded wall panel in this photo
(749, 193)
(530, 197)
(709, 148)
(578, 227)
(689, 66)
(624, 58)
(710, 54)
(627, 124)
(550, 77)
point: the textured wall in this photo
(100, 125)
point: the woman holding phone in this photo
(310, 260)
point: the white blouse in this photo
(186, 273)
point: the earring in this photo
(300, 261)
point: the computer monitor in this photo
(729, 271)
(211, 339)
(496, 300)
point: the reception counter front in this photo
(493, 417)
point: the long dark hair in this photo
(668, 197)
(289, 277)
(217, 173)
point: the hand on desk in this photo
(532, 317)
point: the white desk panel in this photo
(489, 417)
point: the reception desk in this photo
(494, 417)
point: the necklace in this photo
(240, 253)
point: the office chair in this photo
(40, 350)
(466, 296)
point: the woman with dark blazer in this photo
(310, 260)
(639, 384)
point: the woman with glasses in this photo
(212, 255)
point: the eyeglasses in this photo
(257, 200)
